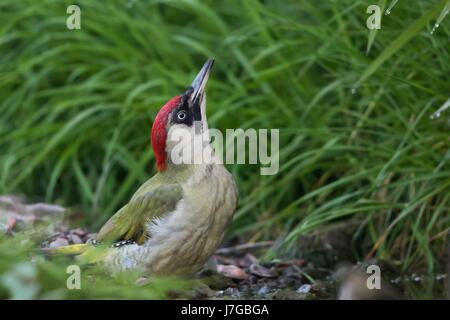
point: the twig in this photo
(245, 246)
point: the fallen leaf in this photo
(260, 271)
(233, 272)
(293, 262)
(11, 223)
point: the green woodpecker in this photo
(176, 220)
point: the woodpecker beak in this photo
(198, 88)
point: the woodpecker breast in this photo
(182, 240)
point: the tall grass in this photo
(76, 109)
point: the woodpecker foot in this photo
(93, 242)
(122, 243)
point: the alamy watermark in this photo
(374, 20)
(74, 280)
(239, 146)
(374, 280)
(73, 21)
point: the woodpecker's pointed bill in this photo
(198, 88)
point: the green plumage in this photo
(152, 200)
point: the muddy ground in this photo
(320, 268)
(321, 265)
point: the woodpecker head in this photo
(186, 114)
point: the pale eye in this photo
(181, 115)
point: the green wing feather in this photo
(131, 221)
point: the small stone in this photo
(75, 239)
(232, 292)
(397, 280)
(441, 276)
(81, 232)
(305, 288)
(142, 281)
(219, 293)
(287, 294)
(416, 278)
(59, 242)
(263, 291)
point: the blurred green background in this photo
(353, 107)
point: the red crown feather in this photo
(159, 132)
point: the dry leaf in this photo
(233, 272)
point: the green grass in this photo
(77, 106)
(27, 274)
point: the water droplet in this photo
(434, 28)
(435, 116)
(389, 9)
(441, 17)
(438, 113)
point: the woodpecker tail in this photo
(73, 249)
(85, 253)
